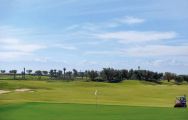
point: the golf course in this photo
(78, 100)
(93, 60)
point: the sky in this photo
(94, 34)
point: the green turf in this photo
(46, 102)
(51, 111)
(133, 93)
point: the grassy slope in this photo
(47, 111)
(134, 93)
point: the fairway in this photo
(130, 92)
(75, 100)
(50, 111)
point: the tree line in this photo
(106, 75)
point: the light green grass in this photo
(133, 93)
(47, 111)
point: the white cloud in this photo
(145, 51)
(65, 46)
(130, 20)
(137, 36)
(10, 41)
(156, 50)
(6, 31)
(42, 59)
(19, 46)
(7, 55)
(96, 27)
(160, 62)
(100, 53)
(11, 48)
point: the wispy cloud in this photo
(11, 55)
(129, 20)
(65, 46)
(20, 46)
(7, 31)
(144, 51)
(106, 53)
(137, 36)
(156, 50)
(112, 23)
(167, 62)
(11, 48)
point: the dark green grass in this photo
(55, 111)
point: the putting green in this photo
(51, 111)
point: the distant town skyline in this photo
(83, 34)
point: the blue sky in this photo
(84, 34)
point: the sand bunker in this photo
(23, 90)
(4, 91)
(17, 90)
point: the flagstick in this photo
(96, 101)
(96, 96)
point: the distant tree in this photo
(113, 75)
(52, 74)
(38, 73)
(130, 74)
(158, 76)
(44, 72)
(55, 73)
(185, 77)
(82, 75)
(179, 79)
(64, 70)
(169, 76)
(13, 72)
(125, 73)
(75, 73)
(59, 74)
(69, 74)
(138, 67)
(29, 72)
(92, 74)
(118, 76)
(86, 75)
(23, 74)
(3, 71)
(108, 74)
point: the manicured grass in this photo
(51, 111)
(55, 100)
(132, 93)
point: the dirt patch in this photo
(4, 91)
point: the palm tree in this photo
(59, 74)
(69, 73)
(64, 69)
(86, 75)
(75, 73)
(29, 71)
(38, 73)
(45, 72)
(3, 71)
(24, 74)
(51, 73)
(13, 72)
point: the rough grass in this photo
(47, 111)
(132, 93)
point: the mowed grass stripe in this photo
(51, 111)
